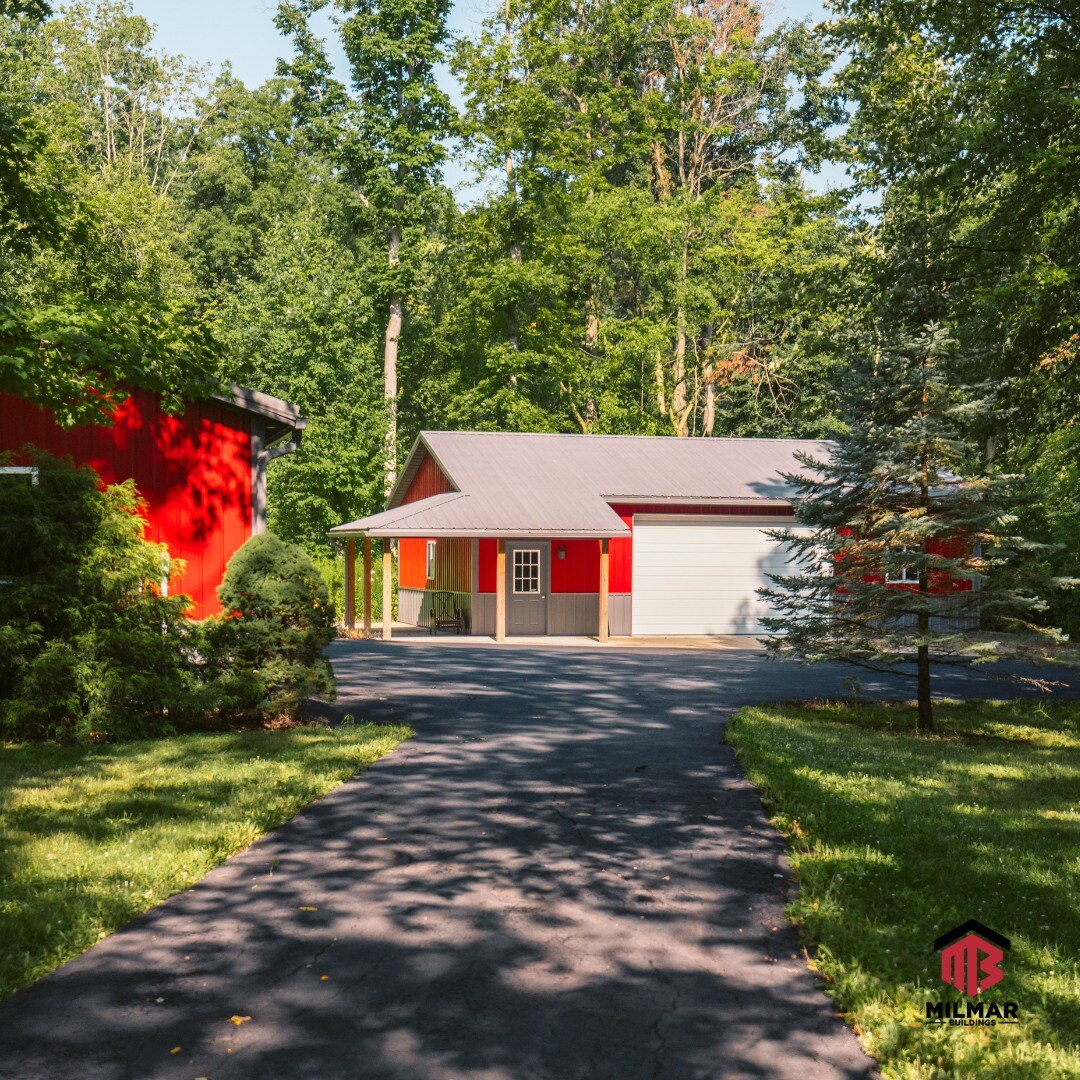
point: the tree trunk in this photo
(592, 345)
(515, 254)
(708, 375)
(390, 364)
(661, 389)
(926, 702)
(679, 410)
(708, 419)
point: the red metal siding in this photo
(194, 471)
(579, 572)
(412, 563)
(485, 570)
(939, 583)
(429, 480)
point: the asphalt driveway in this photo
(564, 875)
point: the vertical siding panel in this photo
(486, 569)
(194, 471)
(412, 563)
(579, 572)
(429, 480)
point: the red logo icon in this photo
(971, 957)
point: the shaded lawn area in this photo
(91, 836)
(897, 838)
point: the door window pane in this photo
(526, 570)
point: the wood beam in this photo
(350, 583)
(387, 582)
(605, 581)
(367, 584)
(500, 590)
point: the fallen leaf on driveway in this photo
(306, 907)
(176, 1050)
(238, 1020)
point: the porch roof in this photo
(522, 484)
(457, 513)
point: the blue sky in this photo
(242, 32)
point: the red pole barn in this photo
(511, 533)
(202, 473)
(502, 533)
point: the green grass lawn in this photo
(91, 836)
(897, 838)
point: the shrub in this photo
(264, 652)
(90, 645)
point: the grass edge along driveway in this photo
(896, 838)
(91, 836)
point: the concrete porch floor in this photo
(415, 635)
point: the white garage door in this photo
(698, 575)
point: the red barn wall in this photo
(193, 470)
(429, 480)
(412, 563)
(939, 583)
(453, 564)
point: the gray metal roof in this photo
(522, 484)
(283, 417)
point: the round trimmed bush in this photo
(265, 650)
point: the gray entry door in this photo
(526, 587)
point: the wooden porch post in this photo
(367, 584)
(387, 581)
(350, 583)
(605, 578)
(500, 591)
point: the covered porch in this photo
(494, 587)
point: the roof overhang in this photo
(389, 532)
(281, 418)
(685, 500)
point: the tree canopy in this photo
(644, 251)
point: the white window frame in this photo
(21, 470)
(430, 553)
(531, 572)
(909, 574)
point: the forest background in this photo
(643, 248)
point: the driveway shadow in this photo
(564, 875)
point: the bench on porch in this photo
(447, 612)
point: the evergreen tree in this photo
(975, 106)
(909, 547)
